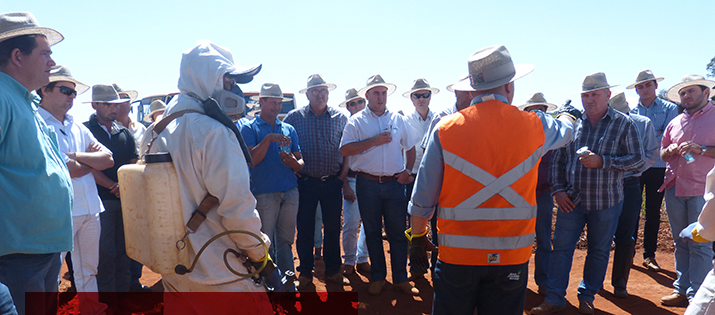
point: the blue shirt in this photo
(271, 175)
(660, 112)
(319, 139)
(35, 185)
(651, 147)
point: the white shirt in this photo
(419, 127)
(74, 137)
(385, 159)
(137, 129)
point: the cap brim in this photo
(53, 37)
(520, 70)
(330, 87)
(258, 97)
(79, 86)
(390, 88)
(549, 106)
(632, 86)
(344, 104)
(673, 91)
(245, 74)
(408, 93)
(601, 88)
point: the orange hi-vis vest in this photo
(487, 205)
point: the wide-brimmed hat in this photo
(418, 85)
(376, 80)
(688, 80)
(463, 86)
(62, 73)
(643, 76)
(491, 67)
(315, 80)
(102, 93)
(131, 93)
(270, 90)
(244, 74)
(350, 95)
(156, 106)
(538, 99)
(15, 24)
(594, 82)
(619, 103)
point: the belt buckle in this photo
(379, 179)
(324, 178)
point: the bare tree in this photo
(711, 68)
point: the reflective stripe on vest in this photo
(478, 242)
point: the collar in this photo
(705, 109)
(372, 114)
(260, 121)
(609, 113)
(46, 115)
(94, 121)
(488, 97)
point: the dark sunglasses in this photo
(67, 91)
(355, 103)
(423, 95)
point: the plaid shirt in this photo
(615, 138)
(319, 138)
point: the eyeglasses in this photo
(67, 91)
(319, 91)
(423, 95)
(356, 103)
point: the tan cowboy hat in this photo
(689, 80)
(595, 81)
(463, 86)
(643, 76)
(418, 85)
(131, 93)
(156, 106)
(270, 90)
(15, 24)
(491, 67)
(102, 93)
(315, 80)
(62, 73)
(350, 95)
(538, 99)
(619, 103)
(376, 80)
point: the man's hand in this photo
(348, 193)
(563, 201)
(115, 189)
(93, 147)
(404, 177)
(567, 109)
(290, 160)
(380, 139)
(419, 245)
(282, 139)
(271, 275)
(591, 160)
(689, 147)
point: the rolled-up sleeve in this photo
(428, 183)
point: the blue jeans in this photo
(354, 248)
(460, 289)
(601, 227)
(113, 271)
(544, 216)
(7, 307)
(628, 221)
(279, 211)
(693, 260)
(386, 201)
(318, 238)
(23, 273)
(329, 194)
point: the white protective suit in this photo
(704, 300)
(208, 158)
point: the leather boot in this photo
(622, 261)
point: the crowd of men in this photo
(391, 171)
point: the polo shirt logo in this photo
(493, 258)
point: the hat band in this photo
(505, 71)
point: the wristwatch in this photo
(703, 149)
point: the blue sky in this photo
(138, 44)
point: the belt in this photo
(323, 178)
(352, 175)
(379, 179)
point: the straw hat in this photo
(594, 82)
(538, 99)
(156, 106)
(15, 24)
(62, 73)
(105, 94)
(315, 80)
(491, 67)
(643, 76)
(463, 86)
(270, 90)
(619, 103)
(376, 80)
(418, 85)
(688, 80)
(131, 93)
(350, 95)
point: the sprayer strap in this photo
(161, 125)
(201, 211)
